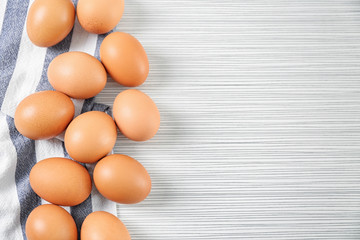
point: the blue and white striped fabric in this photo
(23, 69)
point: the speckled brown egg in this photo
(136, 115)
(102, 225)
(77, 74)
(50, 21)
(124, 59)
(44, 115)
(90, 136)
(99, 16)
(122, 179)
(61, 181)
(50, 222)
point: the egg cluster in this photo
(91, 136)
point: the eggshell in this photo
(50, 21)
(136, 115)
(124, 59)
(102, 225)
(90, 136)
(77, 74)
(61, 181)
(44, 115)
(99, 16)
(50, 222)
(122, 179)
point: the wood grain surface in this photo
(260, 107)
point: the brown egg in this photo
(99, 16)
(77, 74)
(136, 115)
(50, 222)
(61, 181)
(124, 59)
(50, 21)
(102, 225)
(44, 115)
(122, 179)
(90, 136)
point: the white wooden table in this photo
(260, 107)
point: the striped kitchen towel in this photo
(23, 68)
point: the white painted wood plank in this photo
(260, 107)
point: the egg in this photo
(90, 136)
(60, 181)
(124, 59)
(122, 179)
(50, 21)
(102, 225)
(44, 114)
(77, 74)
(99, 16)
(136, 115)
(50, 222)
